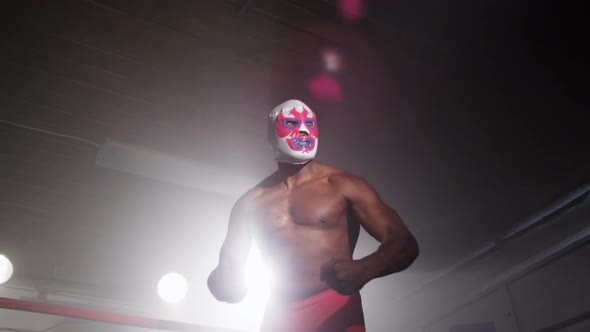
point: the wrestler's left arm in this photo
(398, 248)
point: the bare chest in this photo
(313, 206)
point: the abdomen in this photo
(296, 255)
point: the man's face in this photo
(299, 130)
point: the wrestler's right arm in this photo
(227, 281)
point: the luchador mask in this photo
(293, 132)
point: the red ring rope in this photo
(100, 316)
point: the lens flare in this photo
(352, 10)
(332, 60)
(325, 88)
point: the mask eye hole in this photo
(290, 123)
(310, 124)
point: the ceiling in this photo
(466, 117)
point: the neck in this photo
(290, 171)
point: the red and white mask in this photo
(293, 132)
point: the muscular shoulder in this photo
(340, 177)
(328, 171)
(249, 196)
(348, 184)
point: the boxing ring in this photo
(18, 315)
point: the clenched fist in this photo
(346, 276)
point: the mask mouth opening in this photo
(303, 143)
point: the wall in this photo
(534, 281)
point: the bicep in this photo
(380, 220)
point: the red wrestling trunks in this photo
(327, 311)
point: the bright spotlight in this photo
(260, 280)
(172, 287)
(6, 269)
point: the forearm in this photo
(394, 255)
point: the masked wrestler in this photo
(306, 219)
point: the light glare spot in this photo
(172, 287)
(6, 269)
